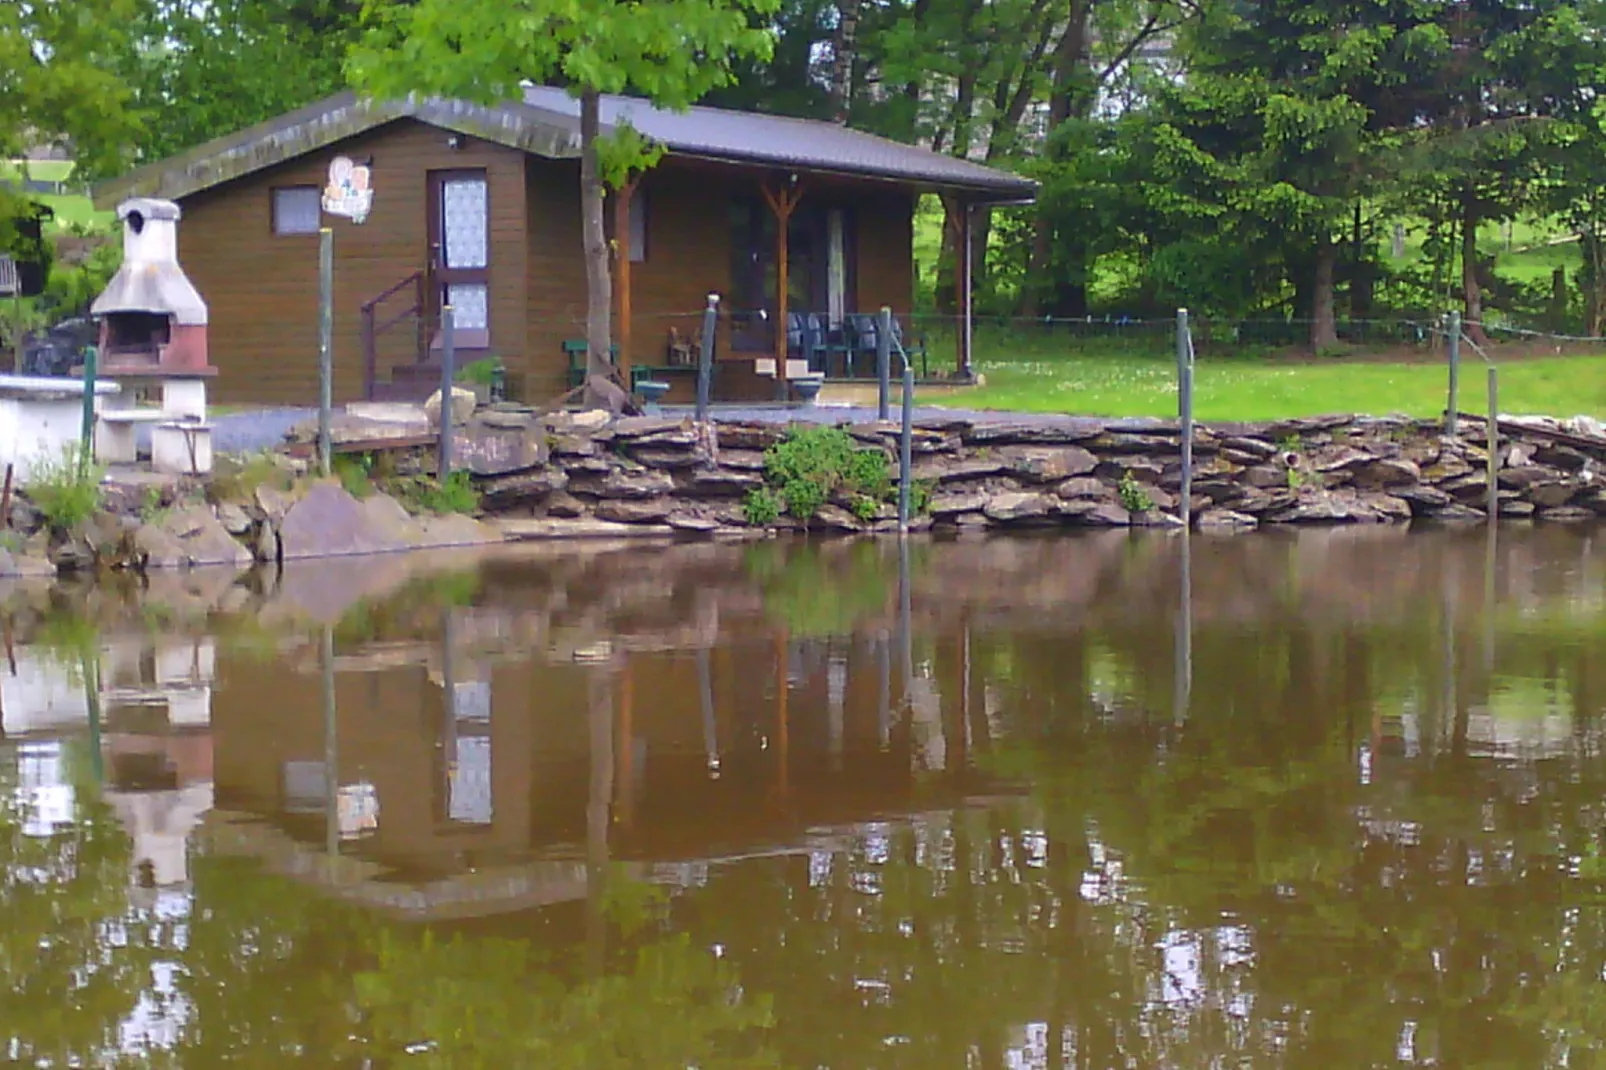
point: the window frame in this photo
(274, 194)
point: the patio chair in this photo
(911, 349)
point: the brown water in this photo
(779, 805)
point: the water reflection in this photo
(1326, 799)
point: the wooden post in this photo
(962, 277)
(782, 202)
(621, 240)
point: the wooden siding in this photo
(555, 301)
(262, 289)
(886, 251)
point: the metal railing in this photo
(373, 327)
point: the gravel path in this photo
(245, 432)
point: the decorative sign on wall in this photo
(348, 192)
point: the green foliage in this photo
(66, 489)
(235, 478)
(62, 61)
(455, 494)
(206, 70)
(1134, 496)
(920, 492)
(480, 372)
(820, 590)
(813, 462)
(355, 473)
(762, 506)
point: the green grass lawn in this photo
(70, 208)
(1259, 387)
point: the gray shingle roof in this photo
(546, 123)
(806, 144)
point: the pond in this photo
(1325, 799)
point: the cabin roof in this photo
(546, 123)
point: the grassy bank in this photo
(1261, 387)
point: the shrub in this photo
(354, 474)
(421, 494)
(66, 489)
(1133, 497)
(236, 479)
(812, 463)
(762, 507)
(479, 372)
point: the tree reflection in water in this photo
(1372, 837)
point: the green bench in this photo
(575, 350)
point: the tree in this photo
(671, 51)
(211, 69)
(60, 83)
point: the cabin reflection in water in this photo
(474, 777)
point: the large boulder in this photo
(635, 510)
(189, 538)
(486, 449)
(1049, 464)
(644, 484)
(328, 522)
(463, 405)
(1015, 506)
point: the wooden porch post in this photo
(962, 276)
(782, 202)
(621, 238)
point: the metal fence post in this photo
(1494, 444)
(1185, 413)
(326, 334)
(448, 356)
(705, 356)
(1451, 418)
(86, 432)
(906, 446)
(883, 363)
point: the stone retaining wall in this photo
(665, 475)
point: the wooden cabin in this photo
(789, 221)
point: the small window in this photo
(297, 210)
(638, 227)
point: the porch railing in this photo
(377, 319)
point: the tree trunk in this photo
(600, 390)
(842, 65)
(1324, 324)
(1070, 95)
(1594, 278)
(1360, 283)
(1472, 291)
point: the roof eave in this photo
(519, 127)
(1004, 192)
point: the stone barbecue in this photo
(152, 320)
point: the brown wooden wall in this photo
(262, 289)
(886, 220)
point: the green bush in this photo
(814, 462)
(762, 507)
(456, 494)
(1133, 497)
(66, 489)
(479, 372)
(354, 472)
